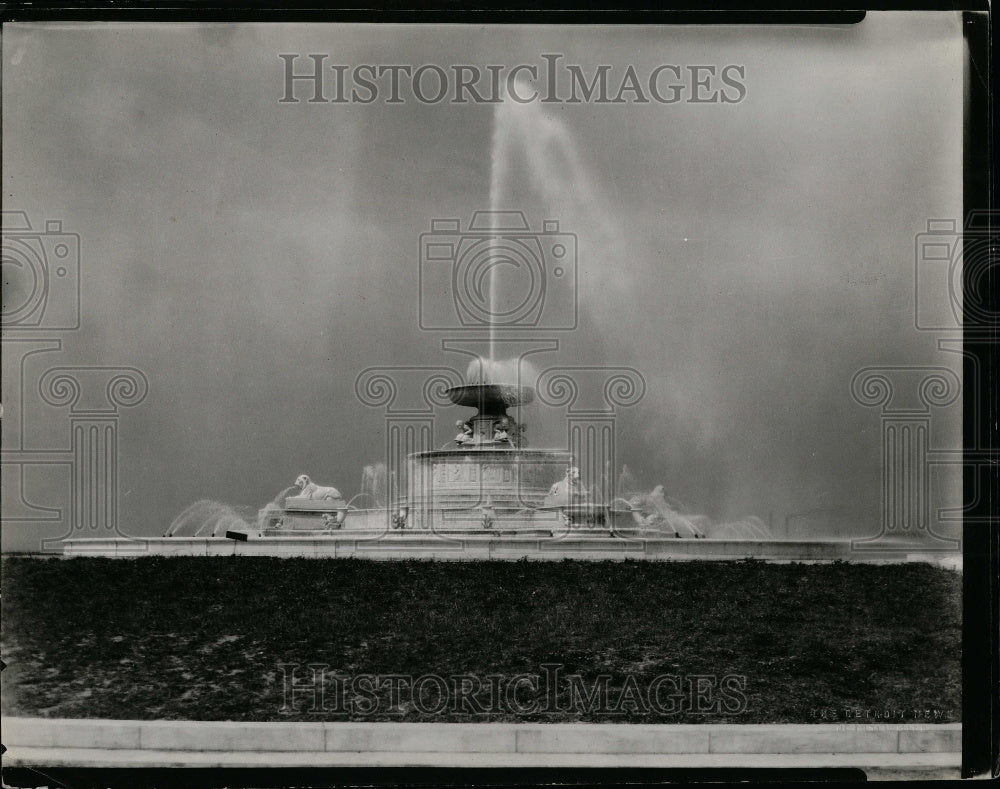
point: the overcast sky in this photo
(253, 257)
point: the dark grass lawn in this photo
(202, 638)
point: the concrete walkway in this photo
(893, 748)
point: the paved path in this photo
(891, 748)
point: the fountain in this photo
(486, 494)
(486, 478)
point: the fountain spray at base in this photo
(485, 495)
(484, 481)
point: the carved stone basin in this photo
(488, 397)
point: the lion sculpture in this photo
(310, 490)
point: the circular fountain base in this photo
(474, 488)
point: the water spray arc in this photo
(486, 480)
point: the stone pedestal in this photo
(449, 487)
(299, 513)
(482, 481)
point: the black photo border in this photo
(981, 337)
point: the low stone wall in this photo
(381, 545)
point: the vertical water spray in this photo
(498, 160)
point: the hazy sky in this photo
(253, 257)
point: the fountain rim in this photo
(484, 395)
(524, 453)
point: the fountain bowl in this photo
(477, 395)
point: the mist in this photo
(252, 258)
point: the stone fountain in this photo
(486, 477)
(485, 480)
(483, 496)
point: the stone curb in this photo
(396, 546)
(896, 764)
(584, 739)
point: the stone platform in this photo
(464, 547)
